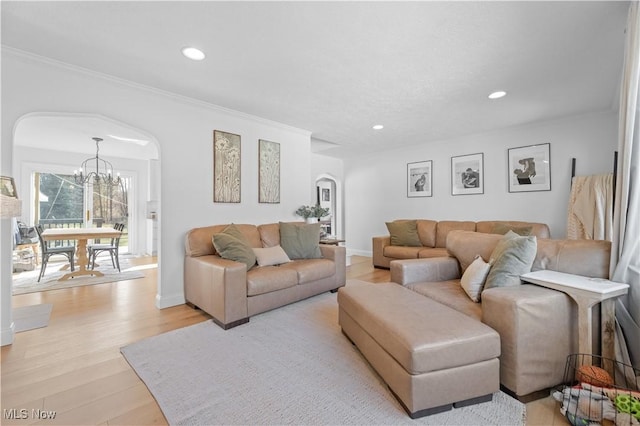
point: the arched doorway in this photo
(329, 195)
(53, 145)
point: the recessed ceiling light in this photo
(498, 94)
(193, 53)
(378, 127)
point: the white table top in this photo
(597, 287)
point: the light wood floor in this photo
(74, 366)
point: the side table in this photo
(331, 241)
(586, 292)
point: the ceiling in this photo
(422, 69)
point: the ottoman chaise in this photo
(431, 356)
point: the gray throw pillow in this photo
(300, 240)
(512, 257)
(232, 245)
(404, 233)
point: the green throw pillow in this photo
(232, 245)
(512, 257)
(404, 233)
(503, 228)
(300, 240)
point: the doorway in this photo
(329, 195)
(48, 147)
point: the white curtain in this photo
(625, 251)
(591, 208)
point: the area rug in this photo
(27, 282)
(288, 366)
(27, 318)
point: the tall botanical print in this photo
(269, 177)
(226, 167)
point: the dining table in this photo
(82, 235)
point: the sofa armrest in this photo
(537, 328)
(379, 243)
(432, 269)
(218, 287)
(339, 256)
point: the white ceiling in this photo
(423, 69)
(75, 133)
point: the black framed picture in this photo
(529, 168)
(419, 179)
(467, 174)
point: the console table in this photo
(586, 292)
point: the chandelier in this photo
(102, 174)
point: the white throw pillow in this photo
(474, 277)
(270, 256)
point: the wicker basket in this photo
(598, 390)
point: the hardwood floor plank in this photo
(148, 414)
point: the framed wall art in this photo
(226, 167)
(419, 179)
(529, 168)
(467, 174)
(268, 172)
(8, 187)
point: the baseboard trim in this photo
(163, 302)
(7, 335)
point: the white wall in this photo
(184, 130)
(375, 185)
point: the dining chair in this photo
(47, 252)
(112, 248)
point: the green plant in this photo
(312, 211)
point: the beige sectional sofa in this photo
(537, 326)
(433, 238)
(230, 293)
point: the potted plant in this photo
(312, 214)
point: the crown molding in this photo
(150, 89)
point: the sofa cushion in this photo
(451, 294)
(427, 232)
(580, 257)
(265, 279)
(309, 270)
(300, 240)
(540, 230)
(404, 233)
(269, 234)
(400, 252)
(474, 277)
(198, 241)
(503, 228)
(270, 256)
(512, 257)
(444, 227)
(466, 245)
(426, 253)
(232, 245)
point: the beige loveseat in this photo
(230, 294)
(433, 238)
(537, 326)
